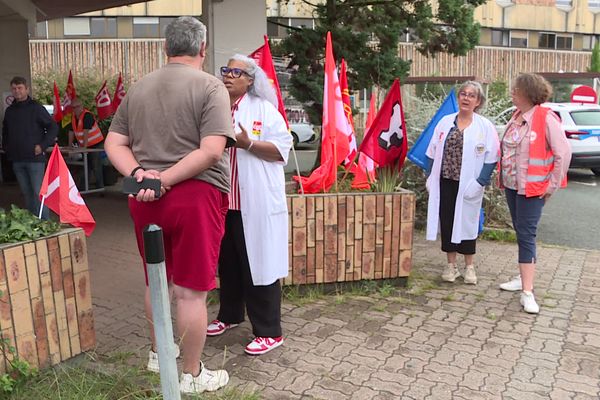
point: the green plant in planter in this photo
(18, 225)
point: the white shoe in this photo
(153, 359)
(450, 273)
(514, 285)
(528, 303)
(206, 381)
(470, 276)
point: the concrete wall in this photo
(14, 47)
(232, 28)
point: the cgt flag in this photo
(58, 113)
(103, 103)
(364, 173)
(264, 59)
(418, 150)
(119, 93)
(70, 95)
(349, 161)
(385, 141)
(60, 194)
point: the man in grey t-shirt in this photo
(174, 125)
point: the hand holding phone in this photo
(132, 186)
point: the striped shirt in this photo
(234, 193)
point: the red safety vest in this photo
(541, 158)
(94, 134)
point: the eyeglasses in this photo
(471, 96)
(235, 72)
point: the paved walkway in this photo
(433, 341)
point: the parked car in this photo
(49, 108)
(302, 133)
(581, 123)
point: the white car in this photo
(581, 123)
(49, 108)
(302, 133)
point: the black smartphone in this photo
(131, 186)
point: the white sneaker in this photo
(514, 285)
(450, 273)
(528, 303)
(470, 275)
(153, 359)
(206, 381)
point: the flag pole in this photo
(41, 207)
(348, 169)
(298, 169)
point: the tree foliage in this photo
(366, 33)
(595, 62)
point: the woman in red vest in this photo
(535, 161)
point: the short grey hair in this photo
(261, 86)
(184, 37)
(480, 93)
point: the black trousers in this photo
(448, 193)
(263, 303)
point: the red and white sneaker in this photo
(217, 328)
(262, 345)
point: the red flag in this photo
(103, 103)
(58, 113)
(334, 142)
(60, 194)
(364, 173)
(263, 58)
(119, 93)
(348, 111)
(70, 95)
(385, 141)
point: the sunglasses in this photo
(235, 72)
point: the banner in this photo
(417, 151)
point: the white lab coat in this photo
(262, 191)
(480, 147)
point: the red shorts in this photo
(192, 217)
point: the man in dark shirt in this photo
(27, 131)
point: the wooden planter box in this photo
(45, 301)
(344, 237)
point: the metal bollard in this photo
(161, 311)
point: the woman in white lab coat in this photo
(254, 251)
(462, 155)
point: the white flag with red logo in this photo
(60, 194)
(119, 93)
(104, 104)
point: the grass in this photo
(499, 235)
(449, 297)
(420, 283)
(491, 316)
(107, 379)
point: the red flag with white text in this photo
(263, 58)
(334, 142)
(58, 112)
(348, 112)
(385, 141)
(104, 105)
(60, 194)
(119, 93)
(70, 95)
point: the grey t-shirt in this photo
(168, 112)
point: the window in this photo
(302, 23)
(547, 41)
(519, 39)
(589, 41)
(594, 4)
(103, 27)
(564, 3)
(164, 21)
(274, 30)
(564, 42)
(146, 27)
(499, 38)
(76, 26)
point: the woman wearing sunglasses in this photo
(462, 155)
(254, 250)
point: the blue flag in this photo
(417, 153)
